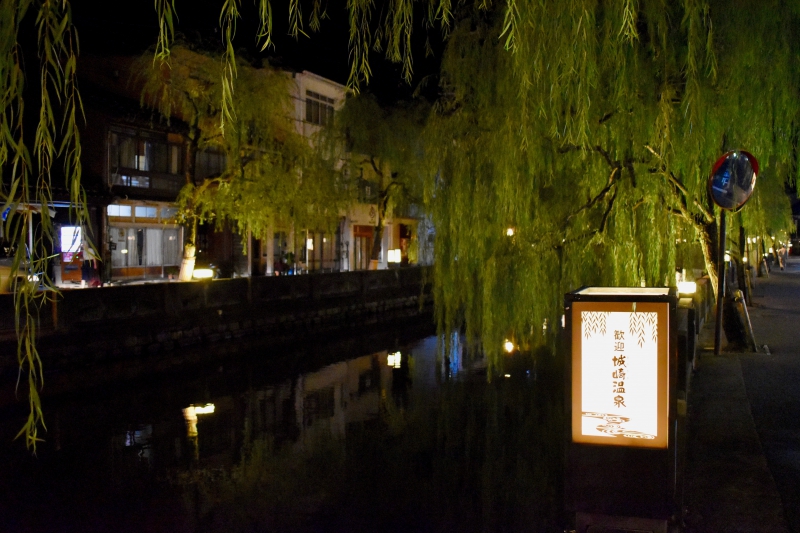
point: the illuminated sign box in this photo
(620, 366)
(71, 239)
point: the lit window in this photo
(133, 181)
(146, 212)
(116, 210)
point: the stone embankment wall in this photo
(153, 322)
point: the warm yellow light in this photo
(620, 372)
(395, 256)
(771, 250)
(727, 257)
(744, 259)
(687, 287)
(123, 251)
(510, 232)
(508, 375)
(206, 409)
(309, 244)
(508, 346)
(202, 273)
(394, 359)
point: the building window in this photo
(209, 163)
(319, 109)
(144, 160)
(116, 210)
(141, 247)
(146, 212)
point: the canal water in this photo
(393, 436)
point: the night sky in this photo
(131, 28)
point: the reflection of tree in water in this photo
(471, 457)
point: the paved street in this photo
(773, 382)
(743, 469)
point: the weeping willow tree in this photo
(585, 142)
(39, 152)
(382, 147)
(273, 176)
(587, 126)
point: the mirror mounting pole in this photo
(721, 271)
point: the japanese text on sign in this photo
(619, 359)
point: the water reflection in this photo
(311, 406)
(403, 438)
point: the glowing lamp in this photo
(202, 273)
(508, 346)
(206, 409)
(687, 287)
(394, 359)
(620, 366)
(309, 244)
(510, 232)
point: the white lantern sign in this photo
(620, 373)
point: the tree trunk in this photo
(376, 241)
(189, 247)
(187, 263)
(708, 243)
(378, 235)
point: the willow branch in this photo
(611, 182)
(705, 213)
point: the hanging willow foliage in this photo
(29, 160)
(593, 140)
(588, 126)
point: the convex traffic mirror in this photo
(733, 179)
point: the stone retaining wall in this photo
(90, 327)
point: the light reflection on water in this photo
(397, 439)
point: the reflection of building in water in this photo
(341, 394)
(138, 441)
(314, 405)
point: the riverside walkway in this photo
(743, 464)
